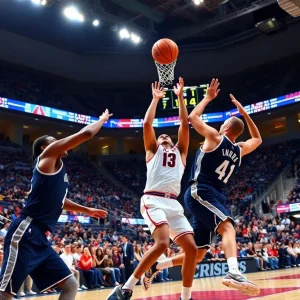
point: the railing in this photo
(278, 181)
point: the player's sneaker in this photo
(239, 282)
(147, 278)
(119, 294)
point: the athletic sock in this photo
(186, 293)
(130, 283)
(233, 265)
(164, 264)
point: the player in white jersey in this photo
(162, 212)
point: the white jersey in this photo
(164, 171)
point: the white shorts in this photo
(158, 210)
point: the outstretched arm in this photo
(200, 126)
(149, 133)
(57, 148)
(92, 212)
(183, 132)
(251, 144)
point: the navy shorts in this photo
(207, 205)
(28, 252)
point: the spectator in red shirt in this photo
(85, 264)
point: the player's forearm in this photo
(254, 132)
(150, 114)
(199, 109)
(183, 114)
(72, 206)
(94, 128)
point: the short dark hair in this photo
(37, 144)
(237, 126)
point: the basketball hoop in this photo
(166, 72)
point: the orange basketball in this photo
(165, 51)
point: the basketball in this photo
(165, 51)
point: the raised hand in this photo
(212, 89)
(238, 105)
(106, 115)
(178, 89)
(157, 91)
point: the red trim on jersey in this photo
(180, 156)
(162, 193)
(151, 220)
(153, 154)
(181, 234)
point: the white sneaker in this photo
(22, 294)
(31, 293)
(79, 289)
(84, 287)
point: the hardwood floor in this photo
(282, 284)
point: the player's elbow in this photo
(258, 141)
(87, 134)
(184, 121)
(192, 117)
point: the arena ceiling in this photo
(212, 24)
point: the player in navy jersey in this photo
(217, 159)
(26, 248)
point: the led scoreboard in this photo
(191, 95)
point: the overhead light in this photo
(96, 22)
(124, 34)
(105, 147)
(39, 2)
(25, 126)
(59, 133)
(269, 25)
(296, 216)
(72, 13)
(135, 38)
(298, 120)
(198, 2)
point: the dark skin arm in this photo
(49, 160)
(92, 212)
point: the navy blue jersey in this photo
(215, 167)
(46, 197)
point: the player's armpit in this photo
(59, 147)
(249, 146)
(150, 141)
(202, 128)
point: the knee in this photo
(162, 245)
(190, 249)
(226, 227)
(200, 254)
(70, 284)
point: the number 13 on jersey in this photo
(221, 170)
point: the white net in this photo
(166, 73)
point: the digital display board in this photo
(286, 208)
(191, 95)
(130, 221)
(74, 218)
(63, 115)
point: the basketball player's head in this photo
(232, 127)
(41, 143)
(165, 141)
